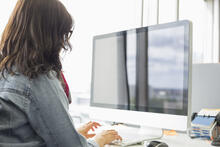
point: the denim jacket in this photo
(34, 113)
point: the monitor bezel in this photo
(187, 55)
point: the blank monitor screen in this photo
(143, 69)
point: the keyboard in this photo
(130, 135)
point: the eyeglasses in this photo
(68, 35)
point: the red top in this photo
(66, 89)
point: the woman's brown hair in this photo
(34, 36)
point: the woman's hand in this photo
(106, 137)
(83, 130)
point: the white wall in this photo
(6, 7)
(94, 17)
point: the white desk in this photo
(179, 140)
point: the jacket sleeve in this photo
(50, 118)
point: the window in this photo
(204, 15)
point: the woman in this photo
(33, 104)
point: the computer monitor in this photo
(143, 76)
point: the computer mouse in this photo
(156, 144)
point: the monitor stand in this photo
(156, 133)
(142, 129)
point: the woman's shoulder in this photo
(20, 89)
(14, 88)
(24, 85)
(20, 79)
(14, 81)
